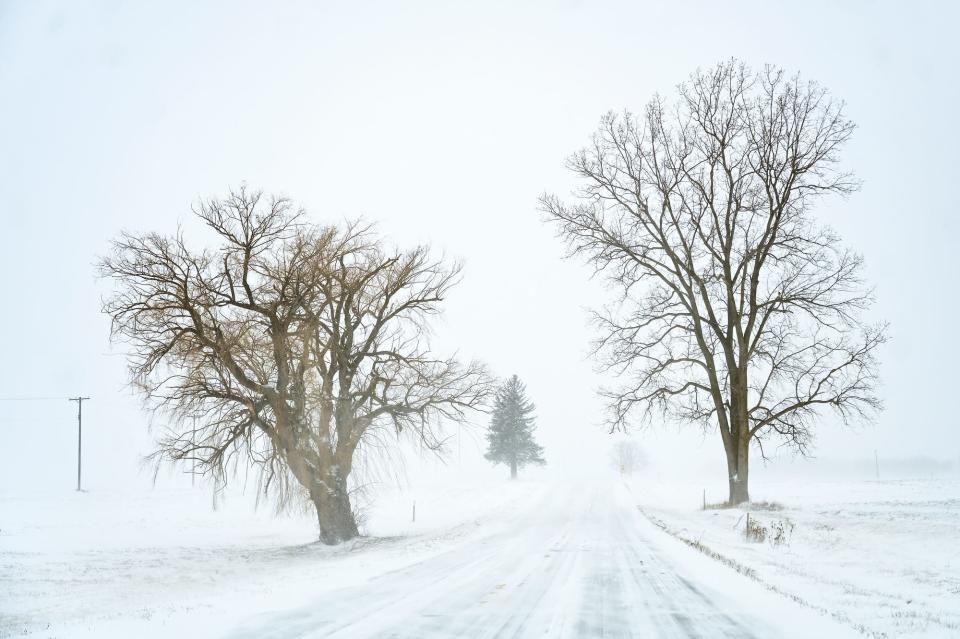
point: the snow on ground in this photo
(138, 563)
(883, 556)
(568, 557)
(581, 562)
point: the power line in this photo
(31, 399)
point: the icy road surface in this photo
(581, 563)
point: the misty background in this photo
(442, 124)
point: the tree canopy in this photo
(288, 346)
(737, 309)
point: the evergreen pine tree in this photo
(510, 435)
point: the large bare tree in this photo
(289, 346)
(737, 309)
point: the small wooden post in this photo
(704, 498)
(746, 531)
(414, 511)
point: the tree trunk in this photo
(738, 444)
(738, 485)
(334, 512)
(513, 469)
(738, 472)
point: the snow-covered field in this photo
(881, 556)
(155, 563)
(487, 557)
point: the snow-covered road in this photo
(582, 563)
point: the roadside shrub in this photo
(780, 532)
(754, 530)
(723, 505)
(766, 505)
(751, 505)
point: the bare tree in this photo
(290, 346)
(737, 309)
(627, 456)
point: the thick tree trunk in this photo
(738, 472)
(334, 511)
(738, 446)
(513, 469)
(738, 483)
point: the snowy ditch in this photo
(881, 557)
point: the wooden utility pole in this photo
(193, 461)
(79, 401)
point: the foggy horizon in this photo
(113, 130)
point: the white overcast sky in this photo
(443, 122)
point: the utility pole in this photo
(79, 401)
(876, 462)
(193, 464)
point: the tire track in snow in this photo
(574, 565)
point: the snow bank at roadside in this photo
(140, 563)
(882, 555)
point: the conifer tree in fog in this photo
(510, 436)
